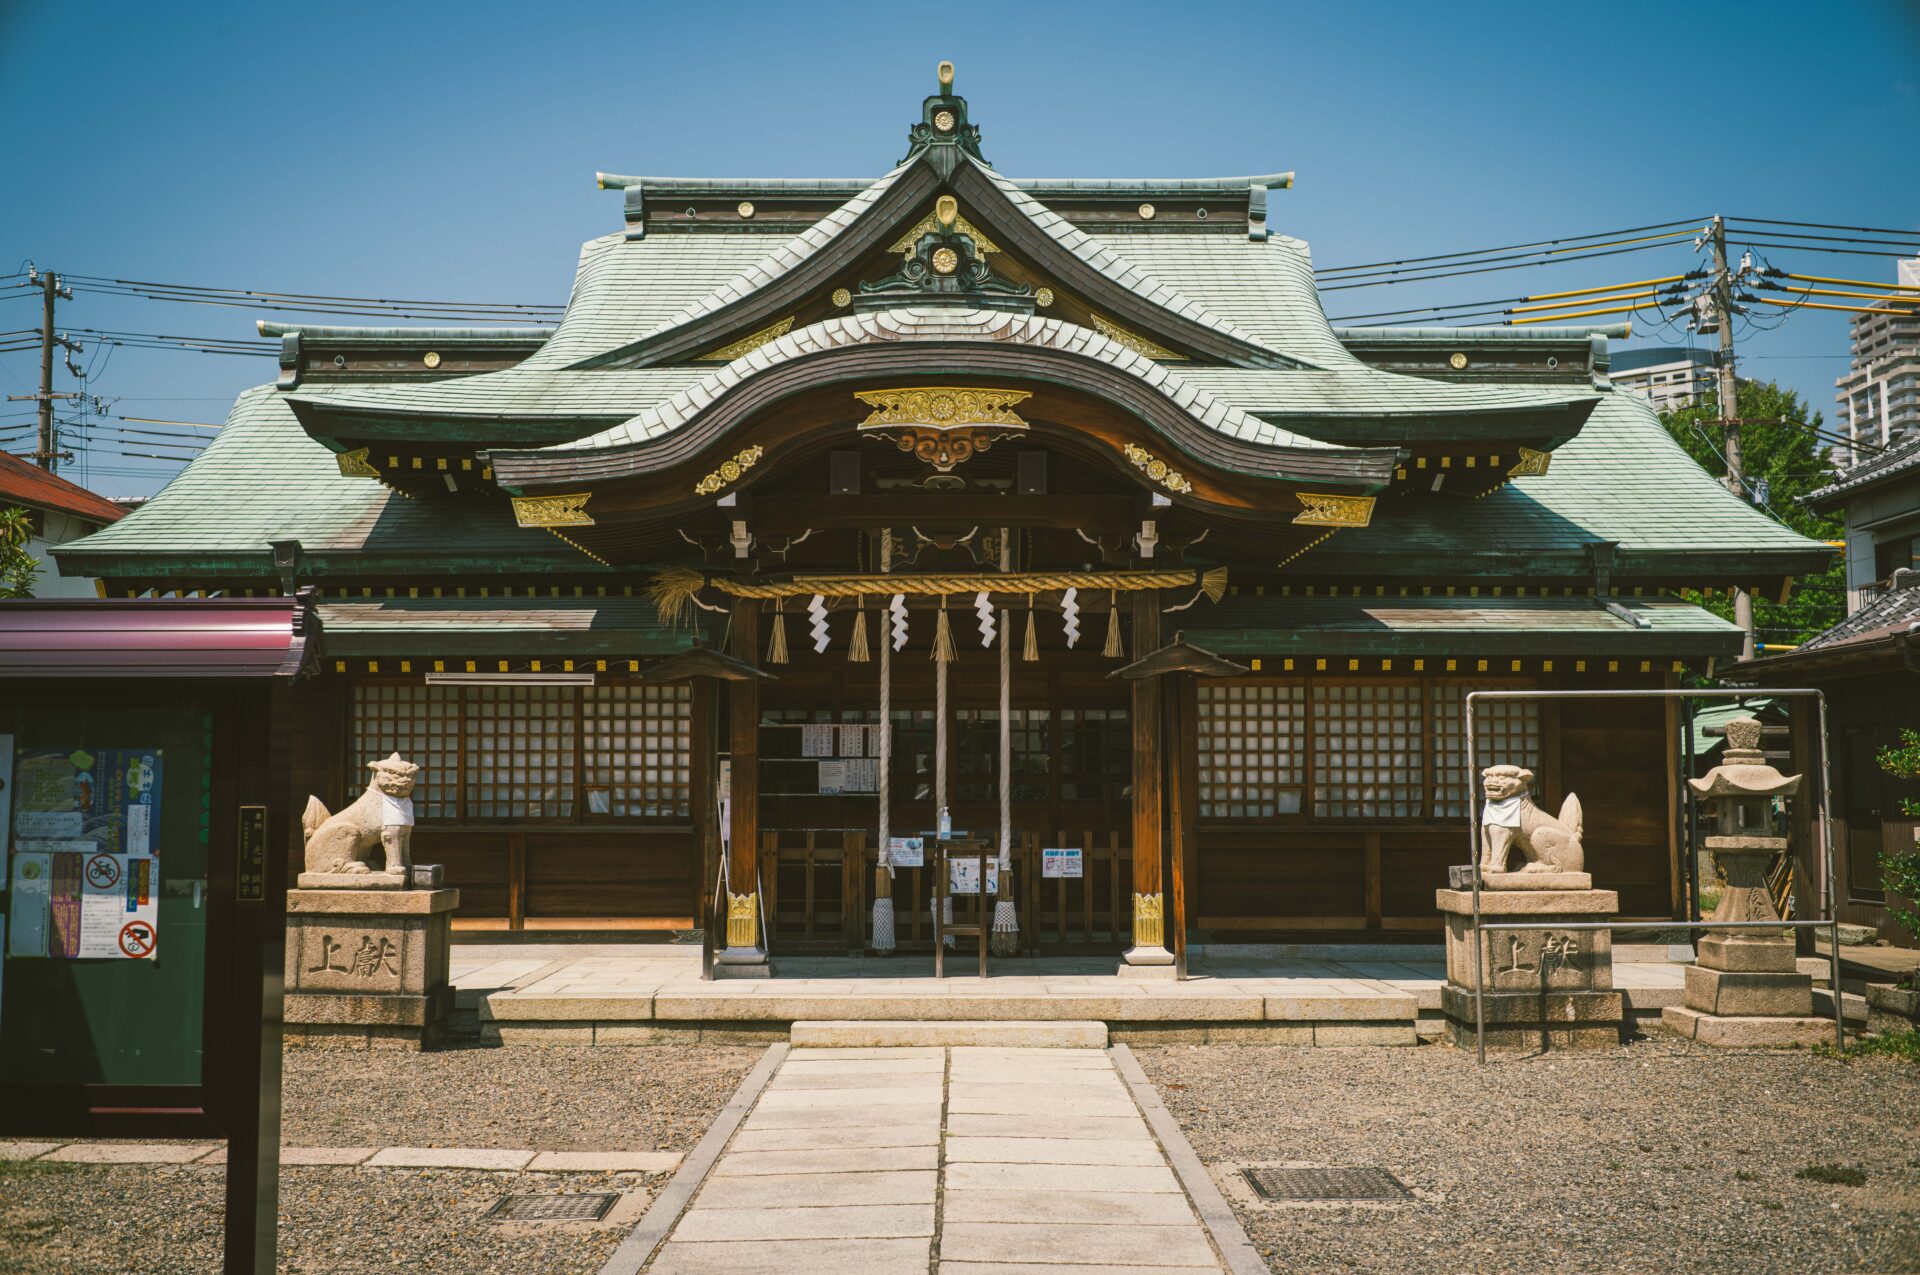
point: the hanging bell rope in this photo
(884, 939)
(674, 590)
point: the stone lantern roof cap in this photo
(1744, 770)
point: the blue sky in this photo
(448, 151)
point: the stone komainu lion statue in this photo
(1511, 820)
(382, 817)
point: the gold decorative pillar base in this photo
(1149, 933)
(743, 957)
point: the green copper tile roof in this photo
(1622, 479)
(1362, 391)
(497, 626)
(1394, 626)
(262, 479)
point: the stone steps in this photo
(868, 1033)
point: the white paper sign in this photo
(906, 852)
(963, 876)
(853, 740)
(816, 741)
(35, 825)
(833, 777)
(119, 906)
(1062, 862)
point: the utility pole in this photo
(1722, 293)
(47, 452)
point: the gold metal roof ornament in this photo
(730, 470)
(1135, 342)
(748, 344)
(942, 426)
(1319, 509)
(354, 464)
(1531, 464)
(553, 511)
(1156, 469)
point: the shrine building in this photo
(1142, 557)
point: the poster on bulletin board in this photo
(84, 865)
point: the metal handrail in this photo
(1822, 824)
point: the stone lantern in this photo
(1746, 988)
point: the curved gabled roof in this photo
(934, 328)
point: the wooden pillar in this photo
(1149, 769)
(1180, 740)
(745, 943)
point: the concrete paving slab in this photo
(1116, 1208)
(27, 1150)
(1144, 1151)
(866, 1221)
(878, 1030)
(1028, 1074)
(1067, 1268)
(933, 1063)
(919, 1116)
(129, 1152)
(1071, 1128)
(754, 1164)
(1077, 1178)
(605, 1162)
(320, 1157)
(919, 1133)
(1051, 1242)
(814, 1054)
(794, 1257)
(448, 1158)
(779, 1099)
(816, 1190)
(924, 1079)
(1035, 1100)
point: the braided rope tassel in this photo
(777, 646)
(943, 652)
(1113, 649)
(857, 650)
(1030, 649)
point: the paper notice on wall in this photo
(816, 740)
(906, 852)
(27, 911)
(110, 796)
(63, 902)
(833, 777)
(963, 876)
(1062, 862)
(863, 774)
(119, 907)
(853, 740)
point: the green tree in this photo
(1779, 449)
(18, 568)
(1900, 871)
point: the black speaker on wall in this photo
(843, 473)
(1030, 473)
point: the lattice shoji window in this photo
(422, 724)
(638, 740)
(1368, 751)
(520, 753)
(1252, 751)
(977, 755)
(1096, 754)
(1508, 733)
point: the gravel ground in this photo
(659, 1098)
(166, 1221)
(58, 1219)
(1652, 1158)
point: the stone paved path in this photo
(878, 1161)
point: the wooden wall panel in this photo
(1614, 754)
(476, 863)
(611, 873)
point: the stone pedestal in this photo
(368, 968)
(1541, 988)
(1747, 990)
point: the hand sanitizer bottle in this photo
(946, 824)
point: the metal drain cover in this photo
(1362, 1183)
(570, 1206)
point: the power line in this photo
(1373, 266)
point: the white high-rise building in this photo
(1669, 377)
(1879, 396)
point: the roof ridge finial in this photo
(943, 128)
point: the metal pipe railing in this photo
(1822, 825)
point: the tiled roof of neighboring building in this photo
(1893, 610)
(1890, 463)
(24, 483)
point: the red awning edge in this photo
(215, 638)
